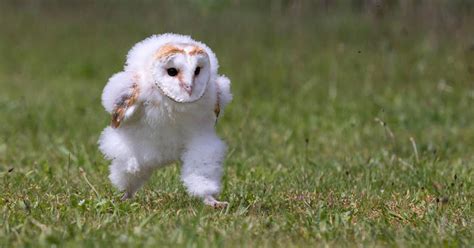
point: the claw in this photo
(126, 196)
(211, 201)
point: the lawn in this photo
(348, 126)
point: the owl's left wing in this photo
(224, 96)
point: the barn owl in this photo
(164, 106)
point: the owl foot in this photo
(126, 195)
(211, 201)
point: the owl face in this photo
(181, 71)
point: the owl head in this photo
(176, 65)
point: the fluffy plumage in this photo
(164, 107)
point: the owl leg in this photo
(202, 168)
(127, 176)
(126, 173)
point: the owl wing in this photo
(224, 96)
(120, 97)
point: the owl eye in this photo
(172, 72)
(197, 71)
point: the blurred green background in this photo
(352, 123)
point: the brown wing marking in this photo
(123, 104)
(217, 107)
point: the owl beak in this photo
(188, 88)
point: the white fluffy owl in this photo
(164, 107)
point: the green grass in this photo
(328, 109)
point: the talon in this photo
(126, 196)
(220, 205)
(211, 201)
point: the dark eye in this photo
(197, 71)
(172, 72)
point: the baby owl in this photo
(164, 106)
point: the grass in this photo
(344, 129)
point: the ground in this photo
(347, 128)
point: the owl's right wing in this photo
(120, 96)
